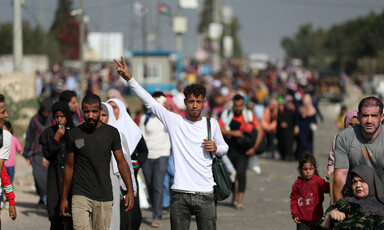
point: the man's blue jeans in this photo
(201, 205)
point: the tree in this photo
(343, 47)
(206, 18)
(65, 30)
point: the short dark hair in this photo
(2, 98)
(67, 95)
(371, 102)
(307, 157)
(9, 126)
(195, 89)
(237, 97)
(158, 94)
(91, 99)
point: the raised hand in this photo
(122, 69)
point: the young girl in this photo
(308, 194)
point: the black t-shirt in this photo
(92, 149)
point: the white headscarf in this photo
(127, 126)
(112, 122)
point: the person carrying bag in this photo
(221, 175)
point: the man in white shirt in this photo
(6, 137)
(193, 181)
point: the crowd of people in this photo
(86, 158)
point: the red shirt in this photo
(239, 118)
(307, 199)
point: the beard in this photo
(370, 131)
(95, 122)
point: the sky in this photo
(264, 22)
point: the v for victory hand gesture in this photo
(122, 69)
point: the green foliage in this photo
(6, 31)
(14, 108)
(65, 30)
(206, 18)
(35, 41)
(341, 46)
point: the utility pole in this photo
(17, 37)
(132, 27)
(216, 41)
(82, 84)
(144, 43)
(179, 35)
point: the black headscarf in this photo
(64, 108)
(374, 202)
(46, 104)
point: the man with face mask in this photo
(87, 168)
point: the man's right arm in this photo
(340, 177)
(149, 102)
(341, 165)
(68, 174)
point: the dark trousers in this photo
(303, 226)
(154, 171)
(201, 205)
(131, 220)
(61, 223)
(240, 162)
(40, 174)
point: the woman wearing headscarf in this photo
(139, 153)
(114, 93)
(33, 151)
(269, 124)
(53, 142)
(362, 208)
(285, 127)
(350, 119)
(107, 117)
(306, 125)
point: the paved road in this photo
(266, 200)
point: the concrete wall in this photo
(31, 63)
(19, 86)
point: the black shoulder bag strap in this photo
(209, 131)
(1, 138)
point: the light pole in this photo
(217, 29)
(81, 84)
(18, 37)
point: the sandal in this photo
(155, 224)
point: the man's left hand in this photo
(209, 146)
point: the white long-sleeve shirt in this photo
(156, 137)
(193, 165)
